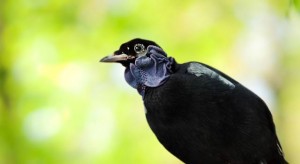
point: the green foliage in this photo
(297, 4)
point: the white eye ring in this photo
(139, 48)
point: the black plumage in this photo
(198, 113)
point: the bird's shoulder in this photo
(202, 77)
(192, 85)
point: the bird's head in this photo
(130, 51)
(147, 65)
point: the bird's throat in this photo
(151, 70)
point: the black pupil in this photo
(138, 48)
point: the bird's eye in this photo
(139, 48)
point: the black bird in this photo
(198, 113)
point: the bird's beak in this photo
(115, 58)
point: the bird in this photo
(198, 113)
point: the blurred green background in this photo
(59, 105)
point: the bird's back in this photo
(211, 119)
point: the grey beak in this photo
(115, 58)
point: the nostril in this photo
(131, 57)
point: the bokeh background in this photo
(58, 104)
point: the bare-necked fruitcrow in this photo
(198, 113)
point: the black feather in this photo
(202, 120)
(201, 115)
